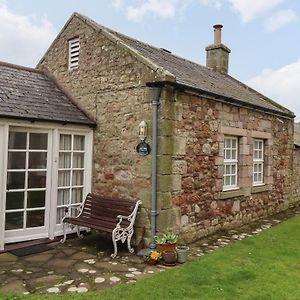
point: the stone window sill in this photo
(260, 188)
(231, 194)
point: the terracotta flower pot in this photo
(151, 262)
(165, 247)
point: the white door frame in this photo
(3, 174)
(16, 235)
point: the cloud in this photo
(23, 39)
(280, 19)
(117, 3)
(282, 85)
(161, 8)
(251, 9)
(214, 3)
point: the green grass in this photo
(266, 266)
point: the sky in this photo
(263, 35)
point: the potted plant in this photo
(166, 241)
(152, 257)
(182, 252)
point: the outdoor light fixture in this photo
(143, 131)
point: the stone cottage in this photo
(221, 153)
(295, 197)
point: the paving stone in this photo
(7, 257)
(38, 258)
(114, 279)
(57, 263)
(47, 280)
(99, 280)
(16, 286)
(53, 290)
(82, 256)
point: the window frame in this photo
(259, 161)
(232, 162)
(73, 53)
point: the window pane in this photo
(227, 154)
(37, 160)
(233, 154)
(35, 199)
(64, 160)
(259, 168)
(16, 160)
(255, 177)
(17, 140)
(233, 169)
(233, 180)
(259, 178)
(63, 197)
(65, 142)
(36, 179)
(14, 200)
(76, 195)
(35, 218)
(227, 180)
(15, 180)
(227, 169)
(78, 142)
(38, 141)
(64, 178)
(60, 214)
(227, 143)
(255, 168)
(14, 220)
(78, 160)
(233, 143)
(77, 178)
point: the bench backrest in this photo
(106, 208)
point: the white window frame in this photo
(231, 163)
(73, 54)
(258, 159)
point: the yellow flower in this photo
(154, 255)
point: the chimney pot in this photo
(218, 33)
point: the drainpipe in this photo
(155, 95)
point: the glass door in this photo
(71, 173)
(27, 208)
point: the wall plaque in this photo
(143, 149)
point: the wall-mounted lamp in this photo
(143, 131)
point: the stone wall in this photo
(295, 195)
(109, 86)
(200, 126)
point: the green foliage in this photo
(168, 237)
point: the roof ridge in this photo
(134, 39)
(19, 67)
(112, 34)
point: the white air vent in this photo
(74, 53)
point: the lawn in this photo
(266, 266)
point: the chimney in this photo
(217, 54)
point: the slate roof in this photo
(297, 134)
(197, 76)
(30, 95)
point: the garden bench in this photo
(106, 215)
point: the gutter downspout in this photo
(155, 95)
